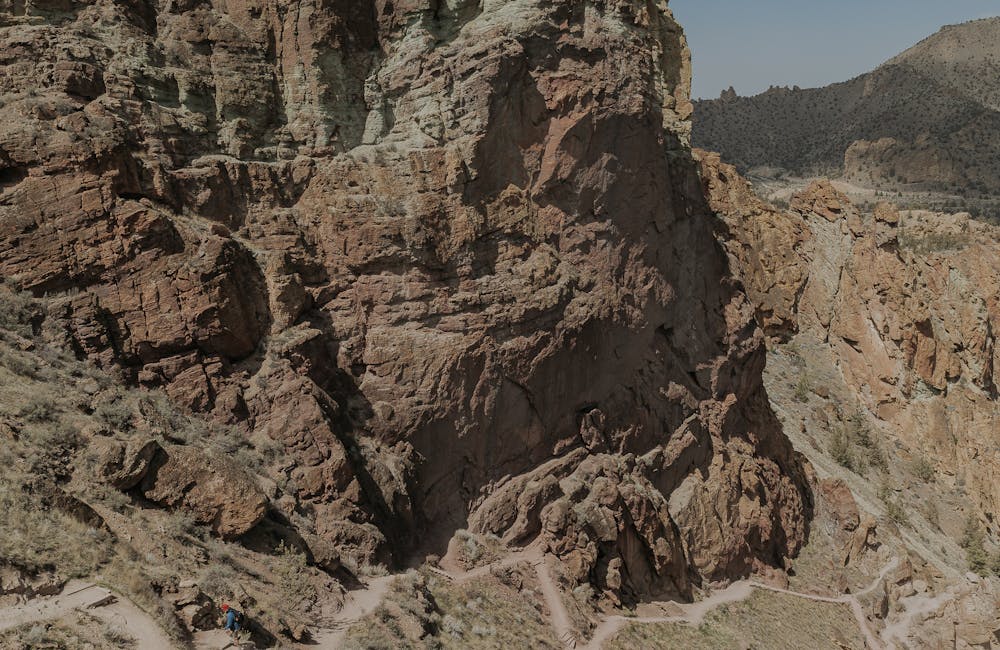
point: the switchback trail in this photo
(124, 614)
(361, 602)
(357, 605)
(694, 613)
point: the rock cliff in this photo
(451, 257)
(905, 303)
(882, 368)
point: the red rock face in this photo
(904, 304)
(429, 248)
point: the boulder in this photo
(209, 486)
(123, 464)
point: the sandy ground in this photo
(100, 602)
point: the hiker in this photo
(234, 619)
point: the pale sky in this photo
(752, 44)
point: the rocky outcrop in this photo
(18, 584)
(211, 488)
(123, 465)
(882, 366)
(194, 609)
(905, 307)
(425, 248)
(766, 247)
(208, 485)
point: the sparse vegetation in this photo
(82, 632)
(856, 446)
(933, 242)
(803, 388)
(918, 124)
(923, 469)
(840, 450)
(973, 541)
(894, 509)
(765, 620)
(478, 550)
(929, 511)
(48, 417)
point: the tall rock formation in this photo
(901, 310)
(452, 256)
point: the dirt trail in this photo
(694, 613)
(357, 605)
(363, 602)
(557, 609)
(217, 640)
(101, 603)
(914, 609)
(851, 600)
(124, 614)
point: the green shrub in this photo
(17, 310)
(895, 511)
(840, 450)
(117, 413)
(923, 469)
(38, 408)
(973, 541)
(20, 364)
(802, 389)
(219, 581)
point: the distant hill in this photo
(926, 119)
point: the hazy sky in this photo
(752, 44)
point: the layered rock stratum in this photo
(903, 303)
(449, 263)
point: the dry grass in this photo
(51, 407)
(423, 610)
(479, 550)
(489, 614)
(80, 632)
(765, 620)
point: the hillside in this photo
(926, 120)
(423, 271)
(420, 325)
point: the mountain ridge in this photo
(919, 121)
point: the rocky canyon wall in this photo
(452, 257)
(904, 308)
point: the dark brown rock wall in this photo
(420, 245)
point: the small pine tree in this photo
(973, 543)
(840, 450)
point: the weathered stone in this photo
(421, 248)
(905, 303)
(123, 465)
(207, 485)
(20, 583)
